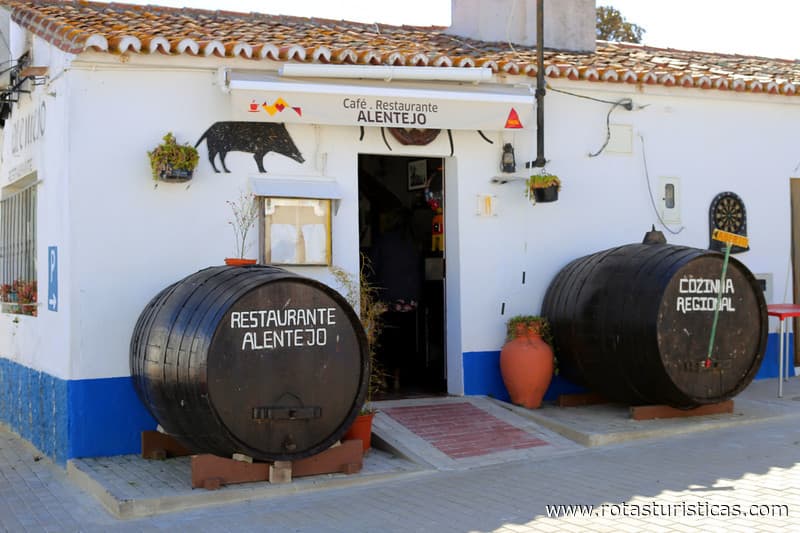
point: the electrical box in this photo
(668, 200)
(621, 140)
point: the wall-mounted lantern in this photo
(507, 162)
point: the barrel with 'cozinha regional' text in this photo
(635, 322)
(253, 360)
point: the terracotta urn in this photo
(526, 364)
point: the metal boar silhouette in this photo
(257, 138)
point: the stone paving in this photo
(35, 494)
(598, 425)
(688, 482)
(129, 486)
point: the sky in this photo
(763, 27)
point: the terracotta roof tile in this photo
(76, 26)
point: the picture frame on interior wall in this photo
(417, 174)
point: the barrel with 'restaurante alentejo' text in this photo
(634, 323)
(253, 360)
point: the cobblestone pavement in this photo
(684, 483)
(35, 494)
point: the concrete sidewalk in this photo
(479, 431)
(720, 465)
(599, 425)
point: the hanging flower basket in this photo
(542, 188)
(546, 194)
(173, 162)
(170, 173)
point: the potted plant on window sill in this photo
(526, 360)
(364, 297)
(173, 162)
(19, 298)
(543, 188)
(245, 214)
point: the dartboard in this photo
(727, 213)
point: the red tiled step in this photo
(461, 430)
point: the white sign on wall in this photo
(23, 134)
(391, 104)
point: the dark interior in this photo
(401, 237)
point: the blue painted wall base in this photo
(34, 404)
(106, 417)
(66, 419)
(482, 377)
(482, 373)
(769, 366)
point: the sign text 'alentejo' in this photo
(284, 328)
(390, 112)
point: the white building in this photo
(82, 216)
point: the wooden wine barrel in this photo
(633, 323)
(253, 360)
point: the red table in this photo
(783, 311)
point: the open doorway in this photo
(401, 228)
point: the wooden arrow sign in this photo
(730, 238)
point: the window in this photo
(296, 231)
(18, 247)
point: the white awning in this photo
(257, 96)
(296, 187)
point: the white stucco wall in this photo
(121, 239)
(713, 142)
(134, 238)
(41, 342)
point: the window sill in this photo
(13, 308)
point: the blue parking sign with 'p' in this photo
(52, 278)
